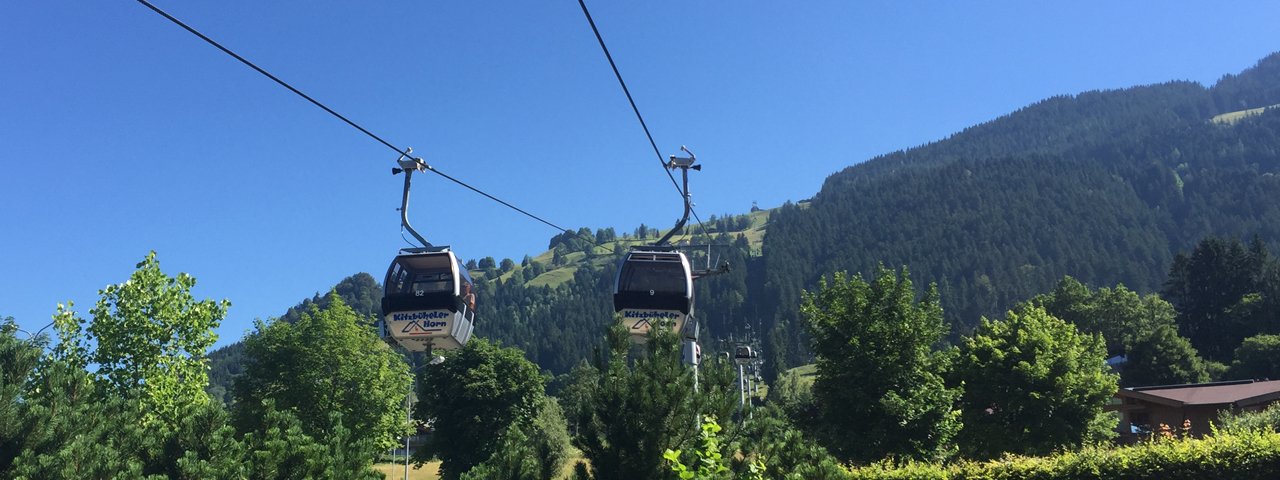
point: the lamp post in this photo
(413, 369)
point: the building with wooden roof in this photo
(1143, 409)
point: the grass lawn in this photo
(395, 471)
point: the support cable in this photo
(634, 108)
(348, 121)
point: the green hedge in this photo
(1242, 456)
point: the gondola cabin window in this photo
(432, 283)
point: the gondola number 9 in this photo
(650, 293)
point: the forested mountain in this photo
(1103, 186)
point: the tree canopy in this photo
(1032, 384)
(329, 360)
(879, 386)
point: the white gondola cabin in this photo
(654, 288)
(428, 300)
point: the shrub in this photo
(1241, 455)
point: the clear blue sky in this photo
(121, 133)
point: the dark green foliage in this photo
(472, 400)
(18, 361)
(1142, 329)
(1160, 356)
(785, 449)
(879, 388)
(1258, 357)
(555, 327)
(1033, 384)
(1216, 290)
(1103, 186)
(640, 403)
(533, 451)
(1255, 87)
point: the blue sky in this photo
(120, 133)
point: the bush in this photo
(1267, 420)
(1240, 456)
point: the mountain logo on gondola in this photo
(416, 327)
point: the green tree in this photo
(149, 337)
(1160, 356)
(879, 385)
(1216, 290)
(472, 400)
(786, 451)
(18, 362)
(536, 451)
(1142, 328)
(1257, 357)
(641, 403)
(709, 463)
(1032, 384)
(329, 361)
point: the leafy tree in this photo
(879, 385)
(1257, 357)
(472, 400)
(605, 235)
(507, 265)
(328, 361)
(536, 451)
(1141, 328)
(488, 263)
(360, 292)
(641, 404)
(1032, 384)
(1162, 357)
(149, 337)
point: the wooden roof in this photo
(1240, 393)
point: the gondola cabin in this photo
(654, 288)
(744, 355)
(428, 300)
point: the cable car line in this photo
(627, 91)
(634, 108)
(398, 150)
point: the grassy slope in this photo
(1230, 118)
(557, 276)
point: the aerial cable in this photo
(627, 91)
(398, 150)
(634, 108)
